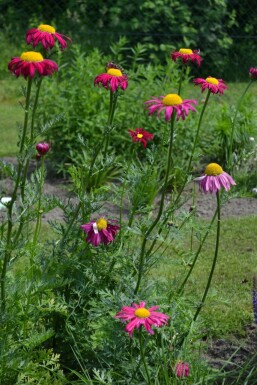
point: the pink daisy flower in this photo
(114, 78)
(30, 64)
(216, 86)
(140, 135)
(214, 179)
(138, 315)
(170, 103)
(186, 55)
(42, 148)
(253, 73)
(100, 231)
(182, 369)
(46, 35)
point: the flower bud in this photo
(42, 148)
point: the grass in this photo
(11, 115)
(228, 306)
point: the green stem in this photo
(197, 131)
(155, 222)
(181, 78)
(229, 165)
(197, 253)
(214, 260)
(31, 136)
(123, 190)
(112, 106)
(142, 353)
(7, 255)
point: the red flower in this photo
(46, 35)
(113, 78)
(138, 315)
(170, 103)
(182, 369)
(30, 63)
(187, 55)
(140, 135)
(216, 86)
(100, 231)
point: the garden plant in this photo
(79, 304)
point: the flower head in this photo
(101, 231)
(46, 35)
(140, 135)
(170, 103)
(138, 315)
(253, 73)
(30, 63)
(216, 86)
(182, 369)
(214, 179)
(114, 78)
(42, 148)
(187, 55)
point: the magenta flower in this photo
(30, 64)
(140, 135)
(138, 315)
(253, 73)
(100, 231)
(182, 369)
(214, 179)
(187, 55)
(42, 148)
(46, 35)
(216, 86)
(170, 103)
(113, 78)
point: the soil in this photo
(235, 351)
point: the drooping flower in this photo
(46, 35)
(32, 63)
(182, 369)
(114, 78)
(216, 86)
(42, 148)
(214, 179)
(187, 55)
(170, 103)
(140, 135)
(253, 73)
(100, 231)
(138, 315)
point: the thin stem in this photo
(197, 253)
(123, 189)
(229, 165)
(142, 353)
(112, 106)
(198, 130)
(214, 259)
(155, 222)
(181, 78)
(7, 255)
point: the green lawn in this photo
(11, 114)
(228, 306)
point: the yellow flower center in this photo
(46, 28)
(212, 81)
(142, 312)
(213, 169)
(101, 224)
(114, 72)
(139, 136)
(186, 51)
(172, 100)
(31, 56)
